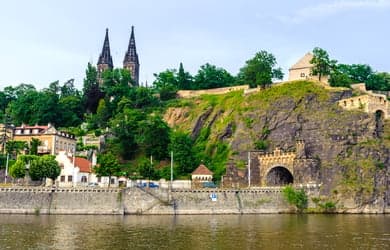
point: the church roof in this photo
(304, 62)
(131, 55)
(202, 170)
(105, 56)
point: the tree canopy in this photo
(260, 70)
(322, 65)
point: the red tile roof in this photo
(83, 164)
(202, 170)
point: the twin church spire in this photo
(130, 61)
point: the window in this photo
(99, 179)
(62, 178)
(112, 181)
(302, 74)
(83, 178)
(70, 178)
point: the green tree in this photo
(91, 90)
(184, 158)
(44, 167)
(35, 142)
(51, 168)
(147, 170)
(18, 169)
(294, 197)
(72, 111)
(184, 79)
(14, 148)
(108, 166)
(260, 70)
(165, 79)
(125, 126)
(166, 84)
(379, 81)
(209, 76)
(153, 136)
(322, 65)
(358, 73)
(338, 79)
(143, 97)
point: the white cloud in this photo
(331, 8)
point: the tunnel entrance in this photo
(279, 176)
(379, 117)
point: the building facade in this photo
(52, 140)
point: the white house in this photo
(77, 172)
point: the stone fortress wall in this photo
(216, 91)
(369, 102)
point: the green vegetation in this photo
(261, 144)
(324, 205)
(260, 70)
(42, 167)
(343, 75)
(298, 198)
(108, 166)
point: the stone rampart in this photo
(216, 91)
(370, 103)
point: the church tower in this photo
(105, 59)
(131, 62)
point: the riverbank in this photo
(99, 201)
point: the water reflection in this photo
(195, 232)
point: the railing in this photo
(58, 190)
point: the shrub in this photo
(298, 198)
(261, 144)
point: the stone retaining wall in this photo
(144, 201)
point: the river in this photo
(278, 231)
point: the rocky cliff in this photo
(354, 162)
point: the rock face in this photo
(342, 151)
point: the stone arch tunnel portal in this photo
(279, 176)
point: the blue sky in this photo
(43, 41)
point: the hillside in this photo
(352, 159)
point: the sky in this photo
(44, 41)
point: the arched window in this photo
(83, 179)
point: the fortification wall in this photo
(367, 103)
(216, 91)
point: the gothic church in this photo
(130, 61)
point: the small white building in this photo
(77, 172)
(201, 175)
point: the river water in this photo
(277, 231)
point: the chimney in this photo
(94, 159)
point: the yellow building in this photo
(52, 140)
